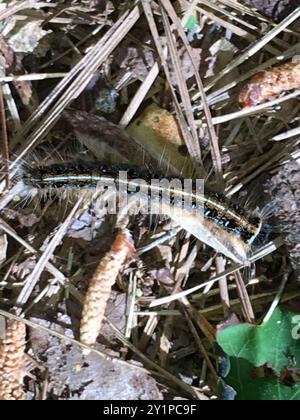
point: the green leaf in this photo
(241, 379)
(276, 344)
(270, 343)
(191, 22)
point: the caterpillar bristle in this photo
(211, 217)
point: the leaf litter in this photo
(188, 61)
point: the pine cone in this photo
(11, 361)
(100, 286)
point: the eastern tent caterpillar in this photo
(210, 217)
(269, 84)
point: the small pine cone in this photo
(12, 349)
(269, 84)
(100, 286)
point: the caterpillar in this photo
(269, 84)
(209, 216)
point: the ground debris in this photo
(78, 377)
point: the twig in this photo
(287, 135)
(254, 109)
(244, 297)
(257, 46)
(34, 277)
(50, 267)
(31, 77)
(223, 286)
(266, 250)
(139, 96)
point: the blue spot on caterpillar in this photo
(221, 224)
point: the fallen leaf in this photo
(27, 37)
(275, 346)
(159, 133)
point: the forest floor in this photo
(154, 84)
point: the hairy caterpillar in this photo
(269, 84)
(210, 216)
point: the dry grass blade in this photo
(50, 267)
(17, 7)
(254, 109)
(287, 135)
(31, 77)
(12, 348)
(256, 47)
(34, 277)
(278, 297)
(227, 25)
(266, 250)
(215, 312)
(139, 96)
(223, 286)
(181, 272)
(148, 330)
(200, 320)
(84, 70)
(11, 106)
(184, 93)
(5, 146)
(234, 29)
(244, 297)
(216, 157)
(279, 154)
(131, 302)
(191, 141)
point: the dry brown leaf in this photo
(27, 38)
(13, 66)
(159, 133)
(140, 59)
